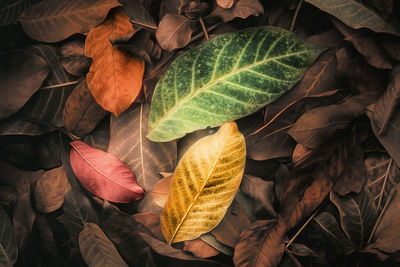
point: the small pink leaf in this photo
(103, 174)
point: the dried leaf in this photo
(385, 6)
(8, 244)
(22, 73)
(225, 3)
(200, 249)
(51, 189)
(330, 227)
(53, 21)
(174, 31)
(354, 14)
(240, 9)
(103, 174)
(81, 113)
(145, 158)
(175, 7)
(10, 10)
(261, 244)
(357, 216)
(226, 80)
(73, 57)
(211, 169)
(138, 14)
(97, 249)
(115, 77)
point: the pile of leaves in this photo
(200, 133)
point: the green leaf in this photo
(227, 78)
(97, 250)
(354, 14)
(9, 250)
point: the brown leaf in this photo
(385, 6)
(262, 193)
(73, 57)
(160, 192)
(241, 9)
(175, 7)
(261, 244)
(365, 45)
(115, 77)
(229, 229)
(225, 3)
(200, 249)
(151, 221)
(81, 112)
(317, 125)
(21, 73)
(50, 190)
(330, 38)
(392, 46)
(53, 21)
(385, 117)
(174, 31)
(300, 152)
(387, 235)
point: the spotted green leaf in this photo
(227, 78)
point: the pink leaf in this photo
(103, 174)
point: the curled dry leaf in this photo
(73, 57)
(225, 3)
(53, 21)
(51, 189)
(174, 31)
(97, 250)
(224, 80)
(15, 92)
(103, 174)
(240, 9)
(115, 76)
(261, 244)
(204, 185)
(145, 158)
(354, 14)
(81, 112)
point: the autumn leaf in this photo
(115, 76)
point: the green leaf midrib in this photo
(221, 78)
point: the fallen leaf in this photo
(330, 38)
(10, 10)
(50, 21)
(73, 57)
(330, 228)
(97, 249)
(387, 236)
(366, 45)
(99, 138)
(138, 14)
(200, 249)
(22, 73)
(160, 191)
(262, 193)
(103, 174)
(345, 10)
(8, 243)
(218, 161)
(228, 77)
(115, 77)
(50, 190)
(385, 6)
(261, 244)
(151, 221)
(391, 45)
(145, 158)
(240, 9)
(175, 7)
(358, 215)
(174, 31)
(304, 251)
(225, 3)
(81, 112)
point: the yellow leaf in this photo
(204, 184)
(115, 76)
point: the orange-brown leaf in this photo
(115, 76)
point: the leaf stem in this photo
(199, 35)
(61, 85)
(384, 183)
(203, 26)
(296, 14)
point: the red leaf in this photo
(103, 174)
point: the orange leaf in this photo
(115, 77)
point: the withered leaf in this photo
(174, 31)
(385, 6)
(22, 73)
(175, 7)
(138, 14)
(81, 112)
(8, 244)
(261, 244)
(240, 9)
(225, 3)
(53, 21)
(50, 190)
(199, 248)
(73, 57)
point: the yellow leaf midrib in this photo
(199, 193)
